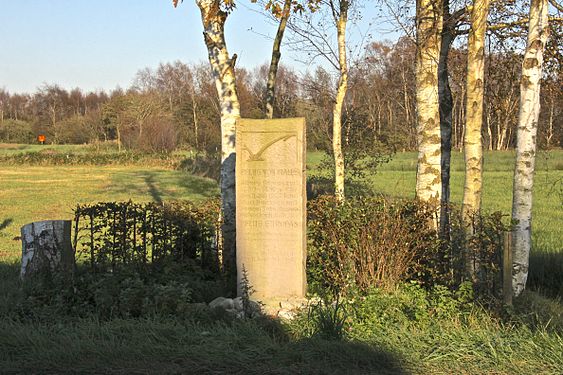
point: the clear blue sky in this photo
(99, 44)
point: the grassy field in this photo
(383, 336)
(397, 178)
(31, 193)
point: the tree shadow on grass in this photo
(151, 185)
(339, 357)
(546, 273)
(164, 186)
(5, 223)
(241, 347)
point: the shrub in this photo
(76, 129)
(203, 164)
(16, 131)
(369, 242)
(364, 243)
(153, 134)
(141, 260)
(51, 156)
(144, 236)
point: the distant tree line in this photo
(176, 104)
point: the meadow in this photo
(386, 333)
(31, 193)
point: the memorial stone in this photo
(271, 207)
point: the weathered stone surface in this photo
(236, 308)
(238, 304)
(47, 248)
(287, 314)
(222, 303)
(271, 207)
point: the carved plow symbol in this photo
(258, 155)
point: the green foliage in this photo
(140, 260)
(367, 242)
(77, 129)
(329, 318)
(408, 330)
(375, 242)
(125, 294)
(16, 131)
(361, 160)
(54, 156)
(411, 304)
(202, 164)
(144, 236)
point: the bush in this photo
(154, 134)
(113, 235)
(126, 294)
(370, 242)
(203, 164)
(364, 243)
(138, 260)
(51, 156)
(76, 129)
(16, 131)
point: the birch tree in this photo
(429, 22)
(314, 38)
(450, 30)
(283, 13)
(213, 16)
(281, 10)
(526, 142)
(340, 14)
(473, 143)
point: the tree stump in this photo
(47, 249)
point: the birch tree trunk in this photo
(222, 66)
(446, 107)
(195, 118)
(473, 142)
(489, 133)
(341, 22)
(47, 250)
(526, 142)
(549, 135)
(276, 56)
(428, 34)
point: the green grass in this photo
(381, 338)
(29, 193)
(13, 148)
(528, 341)
(159, 346)
(398, 177)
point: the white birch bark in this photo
(429, 21)
(473, 142)
(526, 142)
(47, 249)
(222, 66)
(341, 22)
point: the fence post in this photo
(507, 269)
